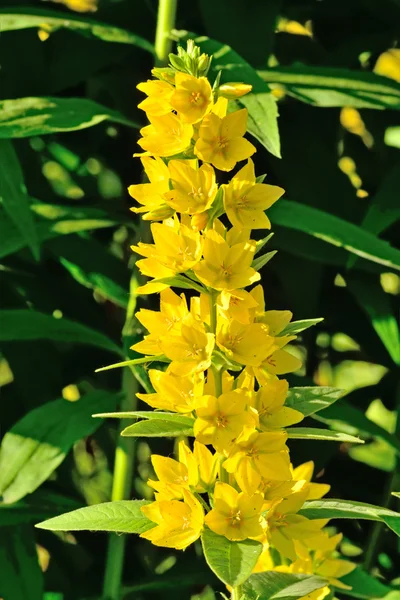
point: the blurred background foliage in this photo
(68, 129)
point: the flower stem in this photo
(236, 593)
(165, 23)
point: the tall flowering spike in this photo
(223, 351)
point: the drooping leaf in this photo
(26, 117)
(299, 326)
(232, 562)
(166, 427)
(133, 361)
(123, 516)
(309, 400)
(335, 231)
(325, 86)
(347, 509)
(14, 196)
(37, 444)
(21, 578)
(28, 17)
(272, 584)
(364, 586)
(311, 433)
(21, 325)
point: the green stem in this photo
(236, 593)
(165, 23)
(121, 490)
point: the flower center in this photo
(221, 420)
(196, 98)
(235, 518)
(221, 143)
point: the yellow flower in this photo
(304, 473)
(173, 477)
(176, 249)
(193, 190)
(192, 98)
(179, 524)
(221, 140)
(190, 350)
(226, 266)
(279, 362)
(235, 304)
(269, 402)
(233, 90)
(220, 420)
(201, 461)
(246, 344)
(151, 195)
(245, 200)
(235, 515)
(166, 136)
(159, 94)
(173, 309)
(256, 455)
(173, 393)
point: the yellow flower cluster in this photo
(237, 478)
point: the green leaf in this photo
(346, 509)
(272, 584)
(22, 325)
(36, 507)
(37, 444)
(180, 281)
(369, 294)
(150, 415)
(166, 427)
(123, 516)
(364, 586)
(311, 433)
(335, 231)
(133, 361)
(325, 86)
(299, 326)
(396, 494)
(26, 117)
(261, 104)
(22, 578)
(259, 262)
(28, 17)
(232, 562)
(14, 197)
(309, 400)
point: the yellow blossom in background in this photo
(190, 350)
(225, 266)
(158, 101)
(178, 524)
(151, 195)
(256, 455)
(192, 98)
(388, 64)
(235, 515)
(269, 402)
(167, 135)
(221, 420)
(194, 189)
(221, 140)
(174, 393)
(245, 200)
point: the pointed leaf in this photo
(309, 400)
(311, 433)
(298, 326)
(133, 361)
(232, 562)
(123, 516)
(147, 414)
(273, 584)
(259, 262)
(160, 428)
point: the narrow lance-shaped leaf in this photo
(167, 427)
(14, 196)
(299, 326)
(310, 433)
(21, 575)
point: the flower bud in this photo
(164, 74)
(234, 90)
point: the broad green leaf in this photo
(123, 516)
(37, 444)
(21, 576)
(166, 427)
(50, 20)
(261, 104)
(309, 400)
(369, 294)
(311, 433)
(347, 509)
(299, 326)
(14, 196)
(364, 586)
(150, 415)
(133, 361)
(325, 86)
(259, 262)
(93, 266)
(335, 231)
(232, 562)
(272, 584)
(22, 325)
(25, 117)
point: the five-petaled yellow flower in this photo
(166, 136)
(193, 189)
(192, 98)
(151, 195)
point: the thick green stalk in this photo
(236, 593)
(165, 23)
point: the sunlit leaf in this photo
(272, 584)
(311, 433)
